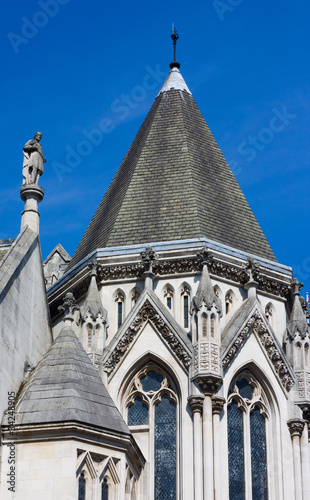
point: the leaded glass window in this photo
(258, 455)
(138, 413)
(165, 449)
(82, 485)
(235, 452)
(105, 490)
(247, 414)
(151, 401)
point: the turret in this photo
(206, 311)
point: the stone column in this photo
(31, 194)
(305, 466)
(296, 427)
(217, 407)
(196, 405)
(207, 432)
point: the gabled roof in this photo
(66, 387)
(174, 184)
(148, 308)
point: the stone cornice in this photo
(146, 313)
(274, 352)
(178, 266)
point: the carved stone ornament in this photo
(147, 313)
(275, 355)
(296, 426)
(149, 259)
(303, 385)
(217, 404)
(209, 385)
(68, 306)
(206, 358)
(196, 403)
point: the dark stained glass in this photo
(245, 390)
(235, 452)
(82, 487)
(165, 449)
(258, 455)
(169, 303)
(119, 314)
(138, 413)
(185, 311)
(151, 381)
(105, 490)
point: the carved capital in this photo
(209, 385)
(196, 403)
(296, 426)
(217, 404)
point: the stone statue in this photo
(33, 160)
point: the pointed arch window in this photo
(105, 490)
(185, 297)
(82, 487)
(119, 300)
(168, 295)
(229, 299)
(247, 416)
(152, 403)
(269, 313)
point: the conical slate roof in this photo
(174, 184)
(66, 387)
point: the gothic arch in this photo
(270, 313)
(134, 295)
(185, 295)
(168, 294)
(230, 301)
(268, 410)
(119, 298)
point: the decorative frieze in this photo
(303, 385)
(274, 353)
(147, 313)
(296, 426)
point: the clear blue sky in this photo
(65, 63)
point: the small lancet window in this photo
(228, 301)
(213, 325)
(134, 297)
(168, 294)
(298, 354)
(82, 486)
(89, 328)
(105, 490)
(204, 321)
(185, 294)
(119, 299)
(268, 313)
(307, 360)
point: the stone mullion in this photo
(196, 405)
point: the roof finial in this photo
(174, 37)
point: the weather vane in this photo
(174, 37)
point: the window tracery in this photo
(152, 403)
(168, 296)
(247, 415)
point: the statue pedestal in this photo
(32, 195)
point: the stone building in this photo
(171, 360)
